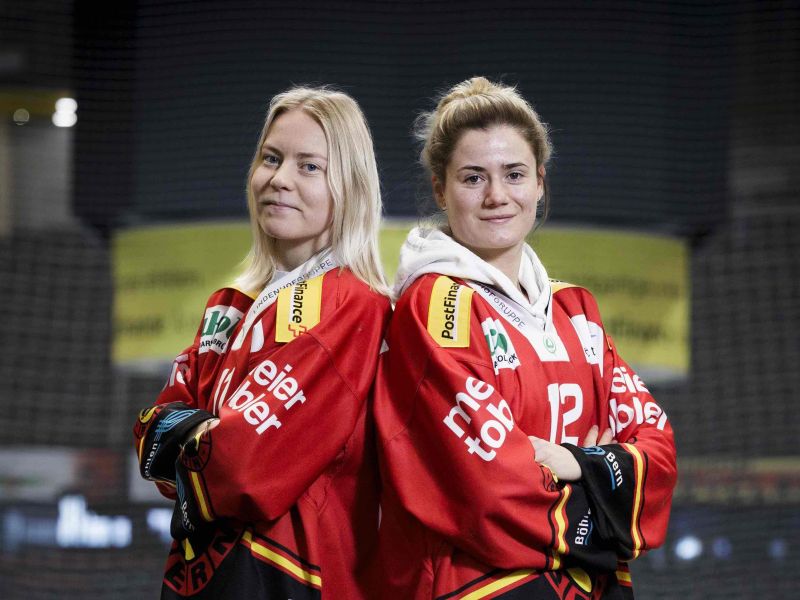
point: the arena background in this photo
(669, 118)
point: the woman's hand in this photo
(556, 458)
(560, 460)
(591, 437)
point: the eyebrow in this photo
(301, 155)
(272, 149)
(312, 155)
(483, 170)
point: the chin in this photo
(499, 243)
(277, 230)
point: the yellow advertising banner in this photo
(163, 276)
(641, 283)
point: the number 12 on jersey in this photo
(570, 396)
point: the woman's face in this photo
(294, 203)
(491, 188)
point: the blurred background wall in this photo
(667, 118)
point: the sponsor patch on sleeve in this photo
(218, 324)
(592, 338)
(449, 313)
(298, 309)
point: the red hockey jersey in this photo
(466, 510)
(288, 479)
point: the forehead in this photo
(297, 130)
(502, 143)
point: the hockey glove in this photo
(159, 433)
(609, 477)
(191, 517)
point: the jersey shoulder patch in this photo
(449, 312)
(299, 308)
(557, 286)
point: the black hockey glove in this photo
(609, 478)
(159, 433)
(192, 505)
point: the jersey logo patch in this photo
(298, 309)
(218, 324)
(449, 313)
(502, 350)
(591, 336)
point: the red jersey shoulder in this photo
(574, 300)
(580, 306)
(342, 287)
(414, 300)
(440, 304)
(231, 297)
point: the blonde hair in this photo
(352, 177)
(478, 103)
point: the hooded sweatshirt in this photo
(433, 251)
(474, 367)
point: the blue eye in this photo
(271, 159)
(311, 167)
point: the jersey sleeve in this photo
(181, 384)
(454, 457)
(630, 483)
(290, 417)
(190, 372)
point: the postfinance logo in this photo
(449, 313)
(299, 308)
(218, 324)
(502, 350)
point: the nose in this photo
(495, 194)
(280, 179)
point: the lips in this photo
(277, 204)
(496, 218)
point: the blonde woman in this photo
(521, 456)
(261, 434)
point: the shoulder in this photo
(230, 297)
(341, 287)
(433, 290)
(573, 299)
(440, 304)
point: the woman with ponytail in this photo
(521, 456)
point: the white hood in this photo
(433, 251)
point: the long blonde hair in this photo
(352, 178)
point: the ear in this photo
(541, 173)
(438, 191)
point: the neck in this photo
(288, 256)
(505, 260)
